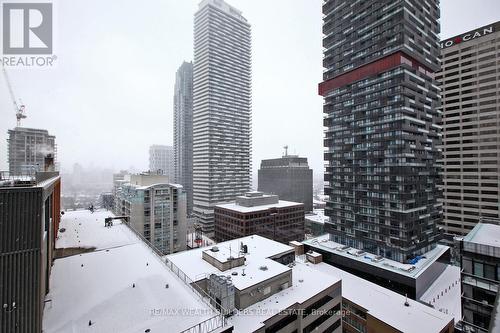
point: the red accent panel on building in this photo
(375, 67)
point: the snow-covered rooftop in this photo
(86, 230)
(387, 305)
(318, 216)
(324, 243)
(242, 209)
(445, 293)
(259, 250)
(99, 286)
(306, 283)
(314, 254)
(484, 233)
(145, 187)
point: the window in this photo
(316, 305)
(282, 323)
(333, 327)
(489, 272)
(478, 269)
(327, 315)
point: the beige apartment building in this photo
(156, 209)
(470, 90)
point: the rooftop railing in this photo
(206, 326)
(7, 179)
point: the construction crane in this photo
(20, 109)
(286, 150)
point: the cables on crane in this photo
(20, 109)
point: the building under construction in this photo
(27, 150)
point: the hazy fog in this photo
(110, 94)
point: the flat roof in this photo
(26, 181)
(324, 243)
(445, 293)
(84, 229)
(306, 283)
(242, 209)
(98, 286)
(386, 305)
(223, 253)
(318, 216)
(259, 250)
(484, 233)
(145, 187)
(314, 254)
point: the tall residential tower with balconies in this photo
(183, 130)
(381, 119)
(221, 108)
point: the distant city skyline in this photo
(107, 79)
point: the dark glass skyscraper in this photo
(381, 120)
(183, 130)
(289, 177)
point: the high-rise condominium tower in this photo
(382, 120)
(221, 108)
(161, 161)
(469, 81)
(156, 209)
(27, 149)
(183, 130)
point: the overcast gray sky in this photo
(110, 94)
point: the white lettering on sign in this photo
(468, 36)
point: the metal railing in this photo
(206, 326)
(7, 179)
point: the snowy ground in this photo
(99, 286)
(444, 293)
